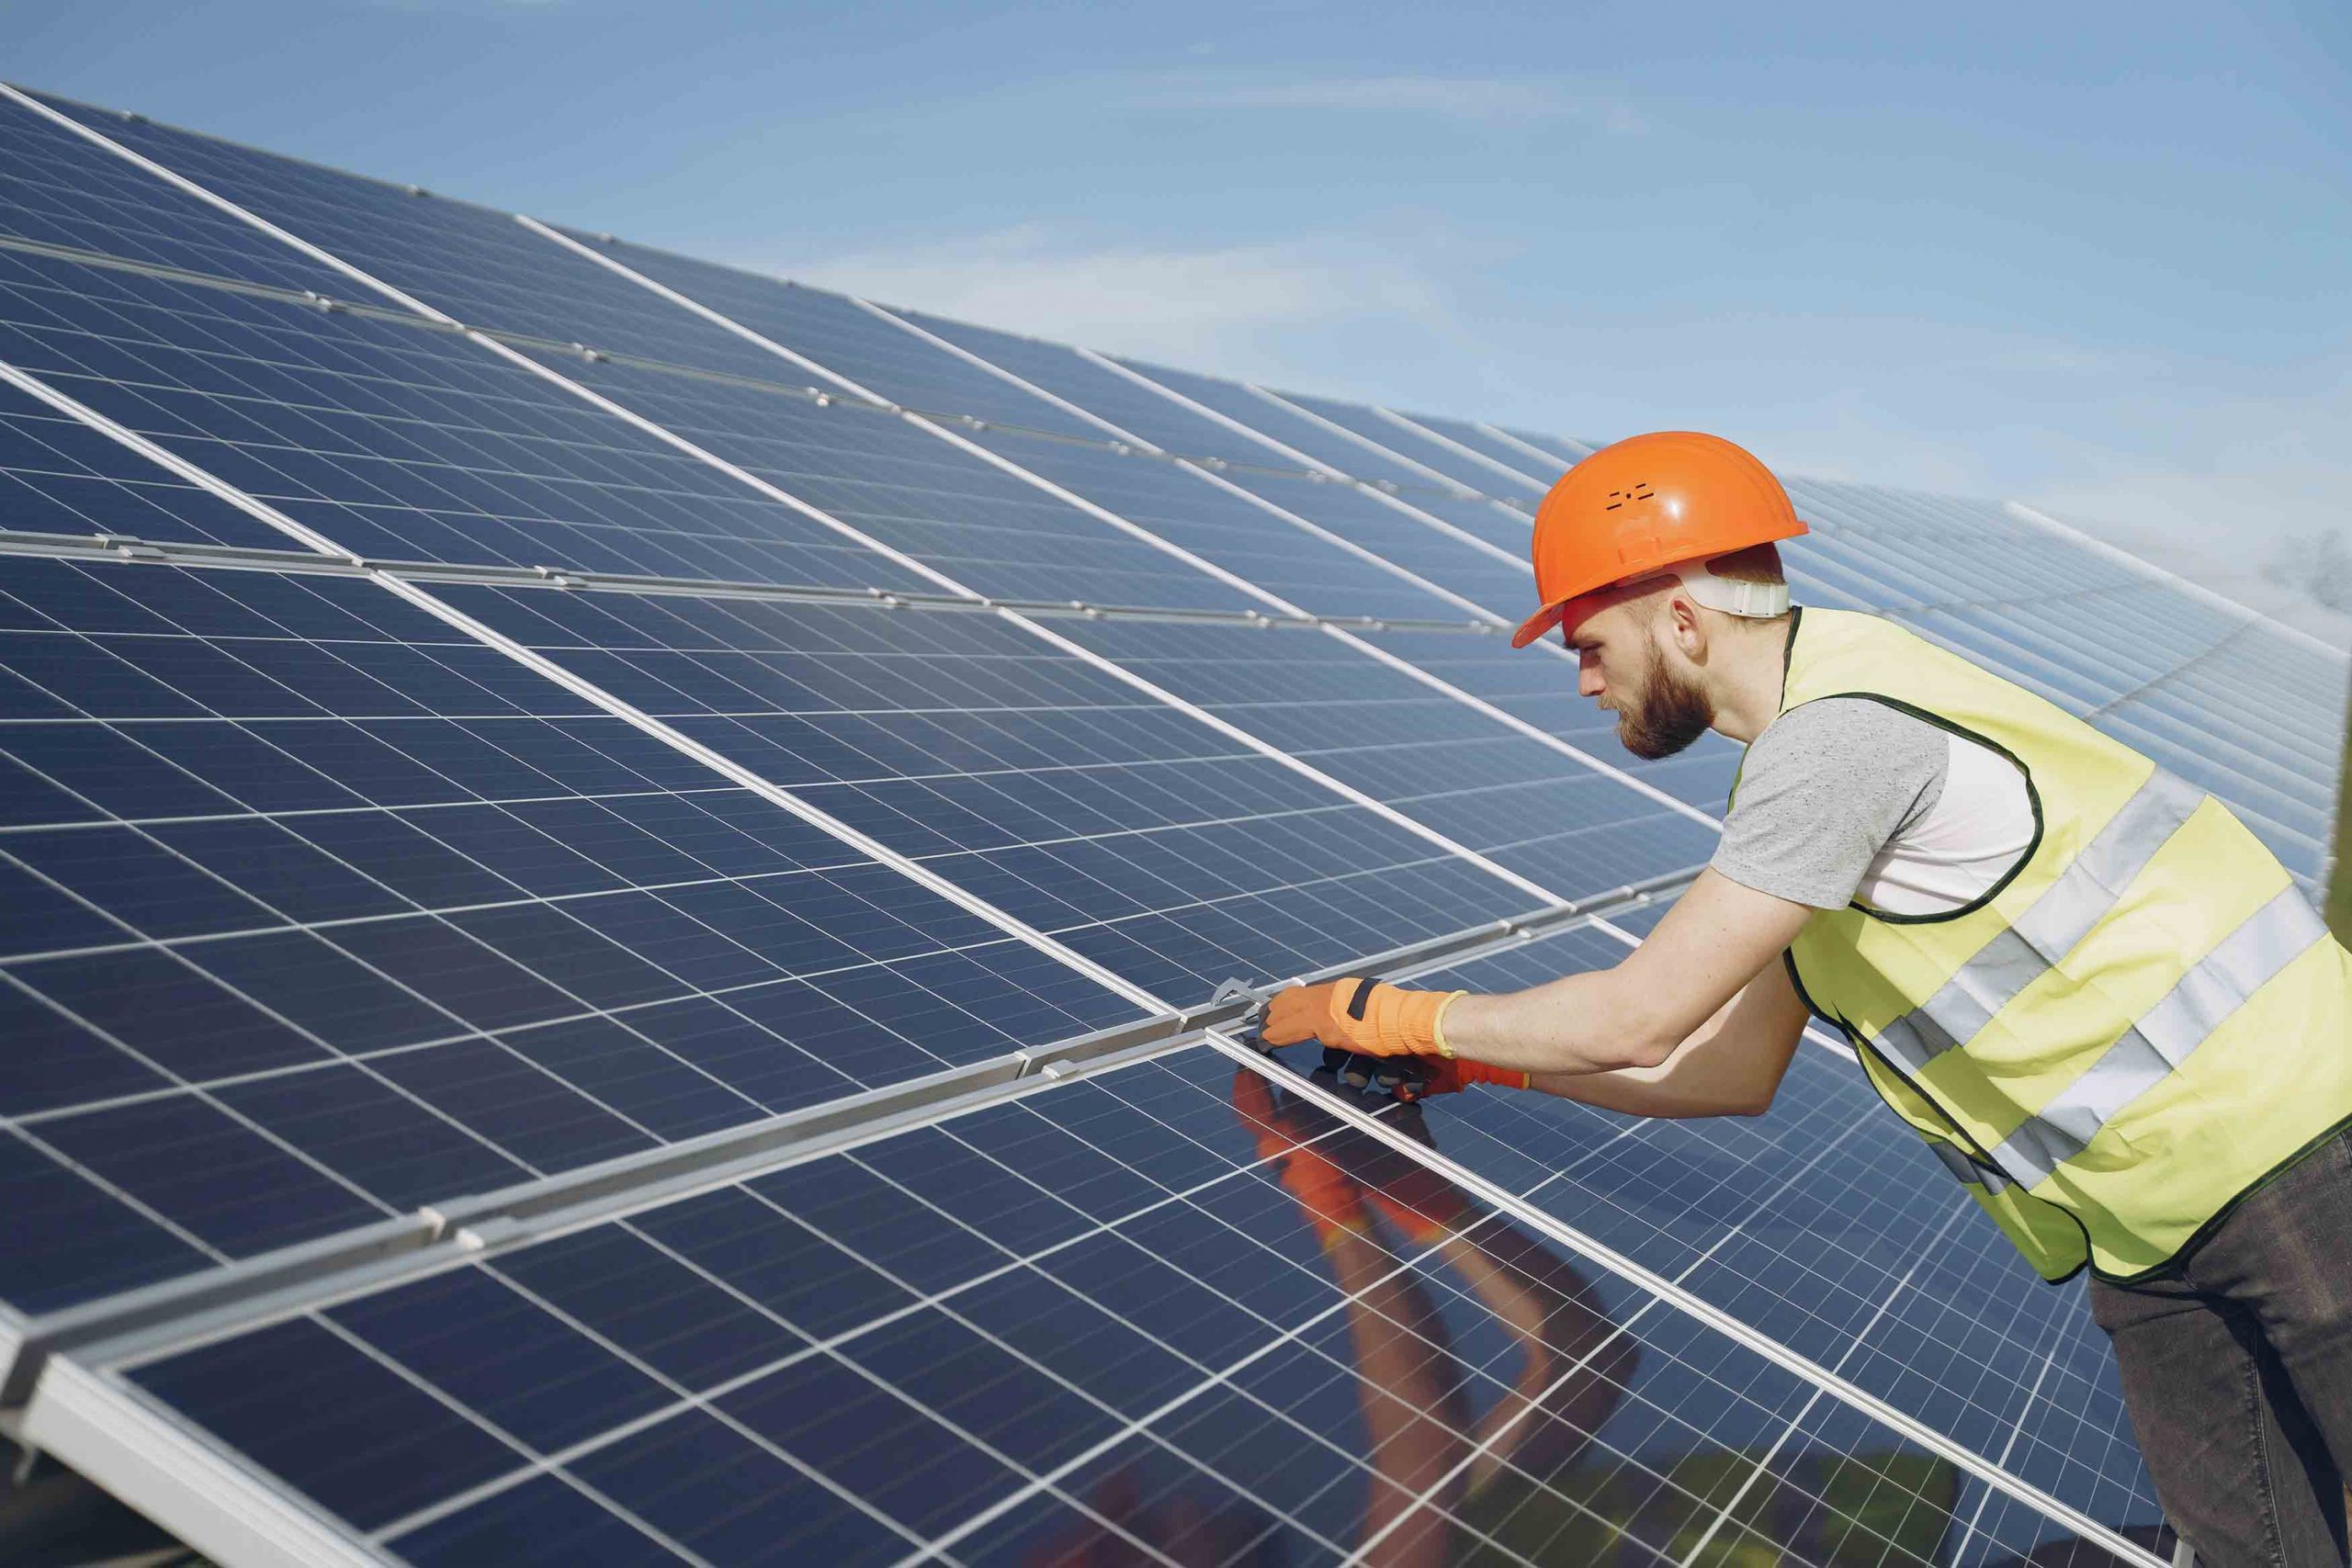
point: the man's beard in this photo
(1671, 713)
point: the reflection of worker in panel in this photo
(1437, 1465)
(1526, 1481)
(2096, 994)
(1444, 1483)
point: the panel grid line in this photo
(1648, 1280)
(431, 605)
(1124, 524)
(1405, 423)
(946, 876)
(434, 605)
(1191, 465)
(1763, 1466)
(1443, 481)
(921, 1301)
(1621, 1328)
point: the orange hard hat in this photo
(1645, 506)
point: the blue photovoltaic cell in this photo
(1802, 1222)
(1542, 813)
(1171, 1305)
(316, 911)
(60, 189)
(1501, 584)
(1141, 411)
(1134, 833)
(829, 328)
(473, 263)
(992, 532)
(1452, 468)
(1509, 531)
(1538, 686)
(1566, 451)
(1197, 514)
(1292, 429)
(59, 476)
(1535, 475)
(396, 441)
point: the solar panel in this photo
(1087, 808)
(588, 994)
(396, 439)
(478, 265)
(1561, 450)
(1268, 1329)
(1469, 567)
(319, 910)
(1283, 427)
(1388, 442)
(1522, 473)
(61, 477)
(59, 190)
(989, 531)
(867, 351)
(1103, 388)
(1483, 518)
(846, 338)
(1575, 831)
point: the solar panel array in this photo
(613, 877)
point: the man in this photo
(2097, 997)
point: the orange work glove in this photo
(1367, 1017)
(1418, 1078)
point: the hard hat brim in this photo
(1536, 624)
(1552, 614)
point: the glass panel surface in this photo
(313, 910)
(57, 188)
(1144, 838)
(1000, 1340)
(394, 440)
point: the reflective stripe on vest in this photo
(2162, 1038)
(2048, 931)
(2142, 1022)
(1967, 1171)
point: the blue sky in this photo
(2097, 256)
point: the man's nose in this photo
(1589, 683)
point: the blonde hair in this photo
(1756, 563)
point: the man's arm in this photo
(1732, 1065)
(1718, 937)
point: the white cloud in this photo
(1451, 97)
(1213, 308)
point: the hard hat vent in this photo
(1638, 491)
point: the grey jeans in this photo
(2237, 1368)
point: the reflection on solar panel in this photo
(613, 882)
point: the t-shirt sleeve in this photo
(1822, 791)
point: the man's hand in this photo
(1364, 1016)
(1418, 1078)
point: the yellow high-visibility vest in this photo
(2135, 1027)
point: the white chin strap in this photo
(1751, 601)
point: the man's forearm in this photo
(1578, 1024)
(1730, 1066)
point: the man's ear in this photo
(1685, 628)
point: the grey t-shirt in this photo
(1823, 790)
